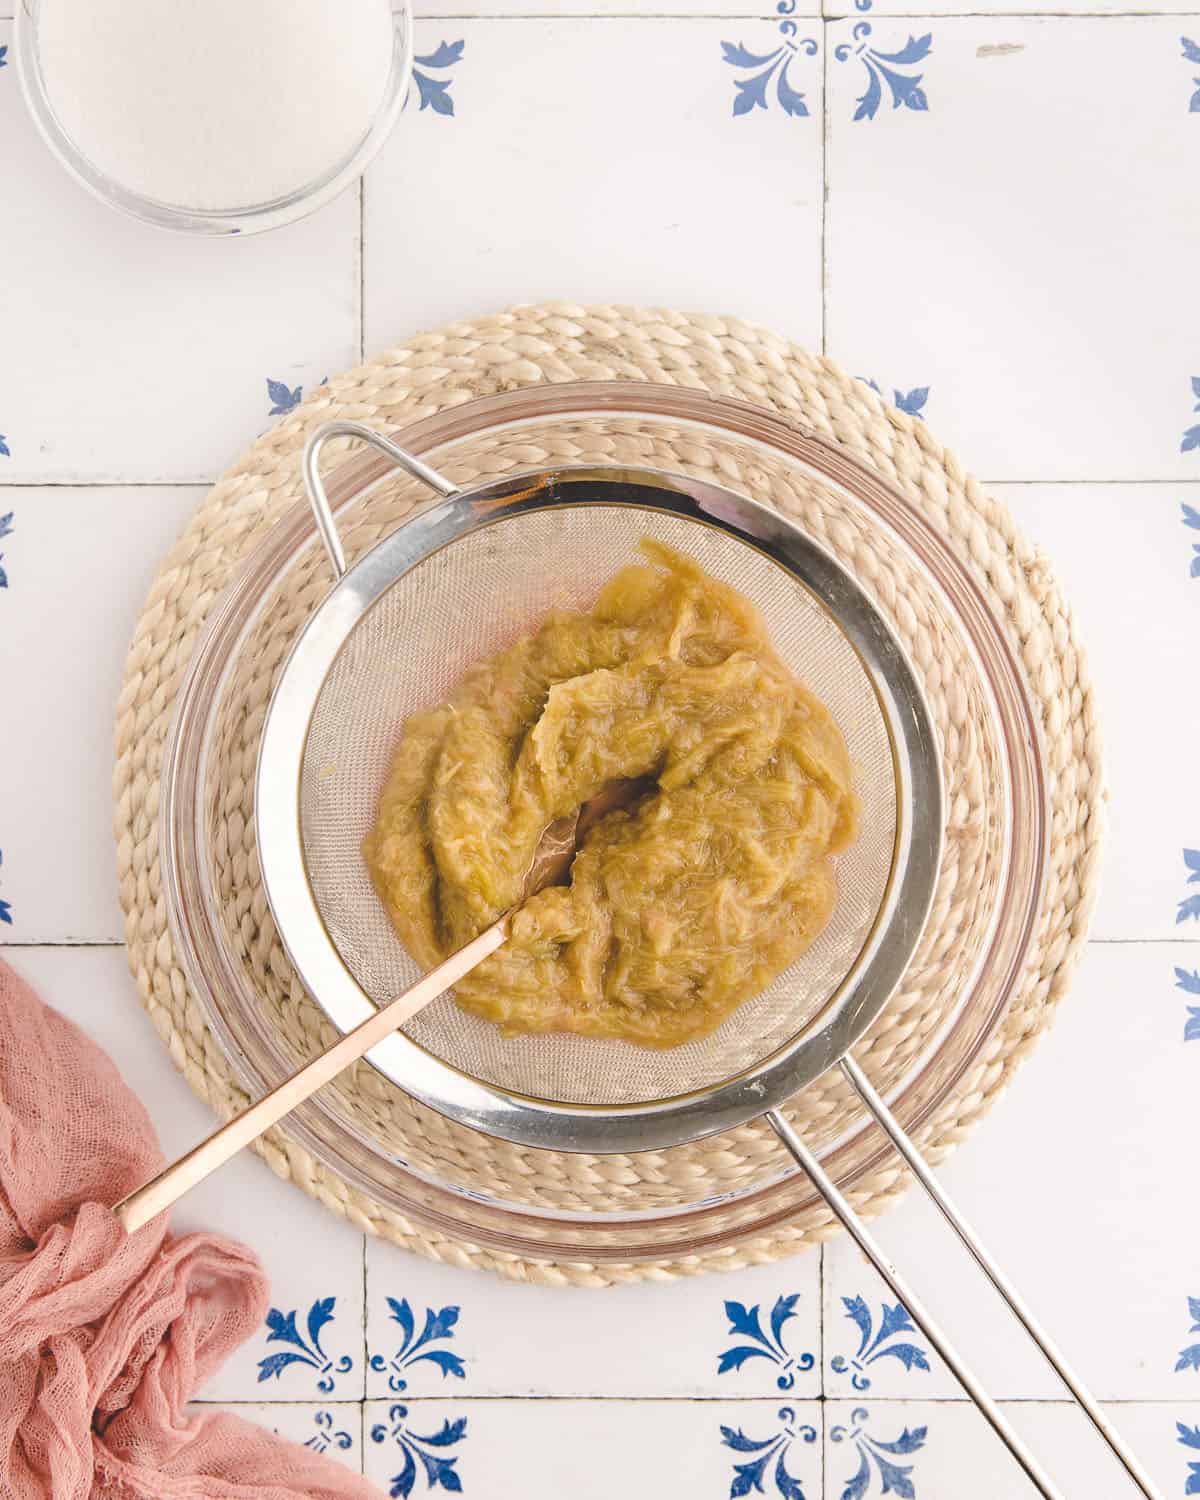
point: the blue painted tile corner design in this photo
(306, 1352)
(875, 1345)
(751, 93)
(1191, 519)
(1190, 1438)
(912, 402)
(749, 1474)
(6, 529)
(744, 1323)
(885, 68)
(1189, 1358)
(327, 1435)
(1188, 980)
(5, 907)
(1191, 52)
(283, 400)
(435, 92)
(439, 1470)
(1189, 907)
(5, 451)
(414, 1348)
(876, 1458)
(3, 57)
(1191, 438)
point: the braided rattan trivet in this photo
(524, 347)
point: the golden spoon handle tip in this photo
(227, 1140)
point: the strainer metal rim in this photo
(869, 982)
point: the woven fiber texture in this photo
(525, 347)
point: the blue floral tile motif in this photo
(1188, 980)
(886, 68)
(5, 908)
(912, 402)
(744, 1323)
(1191, 519)
(439, 1469)
(326, 1435)
(1189, 1358)
(1189, 907)
(1191, 52)
(5, 451)
(875, 1345)
(6, 529)
(414, 1348)
(435, 92)
(1191, 438)
(1190, 1438)
(763, 67)
(283, 400)
(751, 1473)
(3, 57)
(305, 1351)
(876, 1459)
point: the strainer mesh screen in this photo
(473, 598)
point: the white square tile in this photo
(594, 1450)
(1001, 233)
(1081, 1183)
(750, 1333)
(601, 160)
(1122, 554)
(78, 563)
(134, 354)
(946, 1451)
(314, 1261)
(333, 1429)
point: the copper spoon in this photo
(550, 865)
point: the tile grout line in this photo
(362, 269)
(821, 1327)
(1059, 1403)
(825, 128)
(752, 14)
(365, 1354)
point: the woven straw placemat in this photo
(527, 346)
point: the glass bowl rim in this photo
(521, 1229)
(246, 219)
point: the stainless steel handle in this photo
(319, 500)
(920, 1314)
(1016, 1303)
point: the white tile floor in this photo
(1006, 241)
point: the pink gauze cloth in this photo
(104, 1336)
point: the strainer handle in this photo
(920, 1314)
(319, 500)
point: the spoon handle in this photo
(173, 1181)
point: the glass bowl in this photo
(245, 218)
(927, 1049)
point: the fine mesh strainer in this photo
(459, 582)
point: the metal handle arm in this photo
(932, 1330)
(319, 500)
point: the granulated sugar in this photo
(215, 104)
